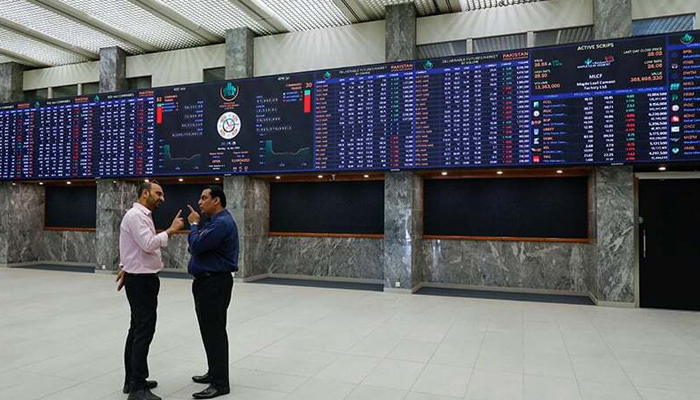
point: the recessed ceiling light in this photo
(443, 173)
(662, 168)
(499, 172)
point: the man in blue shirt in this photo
(214, 250)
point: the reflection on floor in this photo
(62, 335)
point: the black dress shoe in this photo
(143, 395)
(149, 385)
(211, 392)
(202, 378)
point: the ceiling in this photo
(40, 33)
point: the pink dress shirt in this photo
(139, 245)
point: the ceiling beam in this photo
(76, 15)
(451, 6)
(365, 13)
(178, 20)
(354, 13)
(361, 10)
(22, 59)
(263, 15)
(46, 39)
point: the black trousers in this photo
(142, 292)
(212, 296)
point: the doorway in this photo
(669, 243)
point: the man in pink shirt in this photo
(139, 253)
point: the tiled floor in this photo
(62, 334)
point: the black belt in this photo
(147, 275)
(209, 274)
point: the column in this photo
(5, 188)
(114, 199)
(112, 69)
(403, 194)
(612, 19)
(401, 32)
(614, 256)
(11, 80)
(239, 53)
(248, 198)
(613, 190)
(21, 223)
(403, 217)
(248, 203)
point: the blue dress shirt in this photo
(214, 247)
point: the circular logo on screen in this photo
(229, 92)
(229, 125)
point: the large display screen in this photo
(614, 102)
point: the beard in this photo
(155, 203)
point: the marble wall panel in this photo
(5, 193)
(26, 223)
(324, 257)
(400, 32)
(114, 199)
(239, 53)
(528, 265)
(612, 19)
(403, 193)
(399, 255)
(175, 256)
(356, 258)
(248, 203)
(112, 69)
(615, 256)
(11, 80)
(68, 246)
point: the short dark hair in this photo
(217, 191)
(146, 186)
(143, 187)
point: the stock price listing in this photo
(613, 102)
